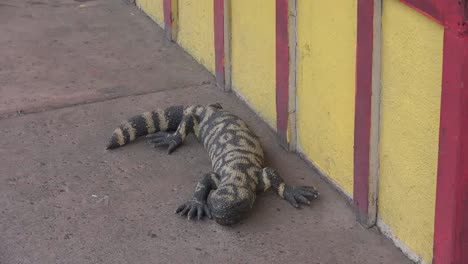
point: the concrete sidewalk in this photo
(70, 72)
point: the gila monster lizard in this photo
(228, 193)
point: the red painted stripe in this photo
(451, 216)
(219, 40)
(431, 8)
(362, 116)
(167, 9)
(461, 228)
(282, 68)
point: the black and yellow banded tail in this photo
(146, 123)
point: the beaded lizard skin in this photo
(228, 193)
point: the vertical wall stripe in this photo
(282, 71)
(292, 89)
(451, 219)
(167, 5)
(227, 45)
(219, 41)
(170, 19)
(451, 216)
(461, 228)
(367, 111)
(374, 152)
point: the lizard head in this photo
(230, 204)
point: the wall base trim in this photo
(386, 230)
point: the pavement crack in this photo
(42, 109)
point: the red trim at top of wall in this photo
(453, 14)
(282, 69)
(451, 216)
(362, 117)
(431, 8)
(219, 40)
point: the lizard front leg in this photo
(293, 194)
(197, 205)
(173, 140)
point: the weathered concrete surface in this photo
(67, 200)
(56, 53)
(64, 199)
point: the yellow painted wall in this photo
(326, 85)
(196, 30)
(253, 55)
(411, 88)
(154, 9)
(326, 30)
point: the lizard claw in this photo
(194, 208)
(165, 139)
(296, 195)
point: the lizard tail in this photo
(146, 123)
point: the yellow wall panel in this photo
(196, 30)
(411, 88)
(326, 86)
(154, 9)
(253, 55)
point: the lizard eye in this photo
(216, 105)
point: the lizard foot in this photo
(194, 208)
(165, 139)
(296, 195)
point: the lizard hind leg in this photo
(174, 140)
